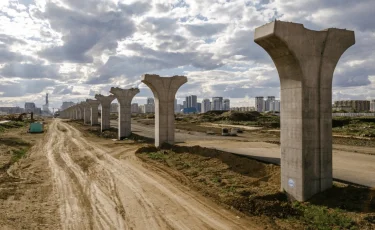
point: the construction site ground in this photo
(71, 177)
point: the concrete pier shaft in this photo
(105, 102)
(80, 112)
(86, 112)
(164, 90)
(305, 61)
(124, 98)
(94, 104)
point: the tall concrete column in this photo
(164, 90)
(86, 112)
(105, 102)
(305, 61)
(124, 98)
(94, 104)
(80, 112)
(76, 112)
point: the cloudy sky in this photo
(73, 49)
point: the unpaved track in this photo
(97, 191)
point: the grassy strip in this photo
(253, 188)
(12, 125)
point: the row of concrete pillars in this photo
(305, 61)
(164, 90)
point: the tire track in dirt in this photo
(137, 196)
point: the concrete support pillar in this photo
(86, 112)
(305, 61)
(124, 98)
(76, 112)
(80, 112)
(105, 102)
(164, 90)
(94, 104)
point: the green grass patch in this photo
(322, 218)
(18, 154)
(12, 125)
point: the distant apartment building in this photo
(217, 103)
(352, 105)
(134, 108)
(29, 107)
(199, 107)
(206, 105)
(150, 101)
(259, 104)
(179, 108)
(226, 104)
(243, 109)
(372, 105)
(274, 106)
(67, 104)
(184, 104)
(114, 108)
(11, 110)
(268, 102)
(268, 105)
(191, 101)
(147, 108)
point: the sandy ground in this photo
(99, 184)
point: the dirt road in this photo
(97, 190)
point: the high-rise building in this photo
(274, 106)
(30, 107)
(150, 101)
(226, 104)
(114, 108)
(199, 107)
(267, 103)
(206, 105)
(134, 108)
(184, 104)
(179, 108)
(191, 101)
(372, 105)
(259, 104)
(217, 103)
(352, 105)
(147, 108)
(67, 104)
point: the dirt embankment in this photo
(252, 188)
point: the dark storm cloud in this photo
(30, 71)
(151, 60)
(8, 56)
(10, 40)
(85, 34)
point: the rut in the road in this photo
(98, 191)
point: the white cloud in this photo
(74, 48)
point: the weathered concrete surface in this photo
(124, 98)
(105, 102)
(86, 112)
(94, 104)
(164, 90)
(80, 112)
(305, 61)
